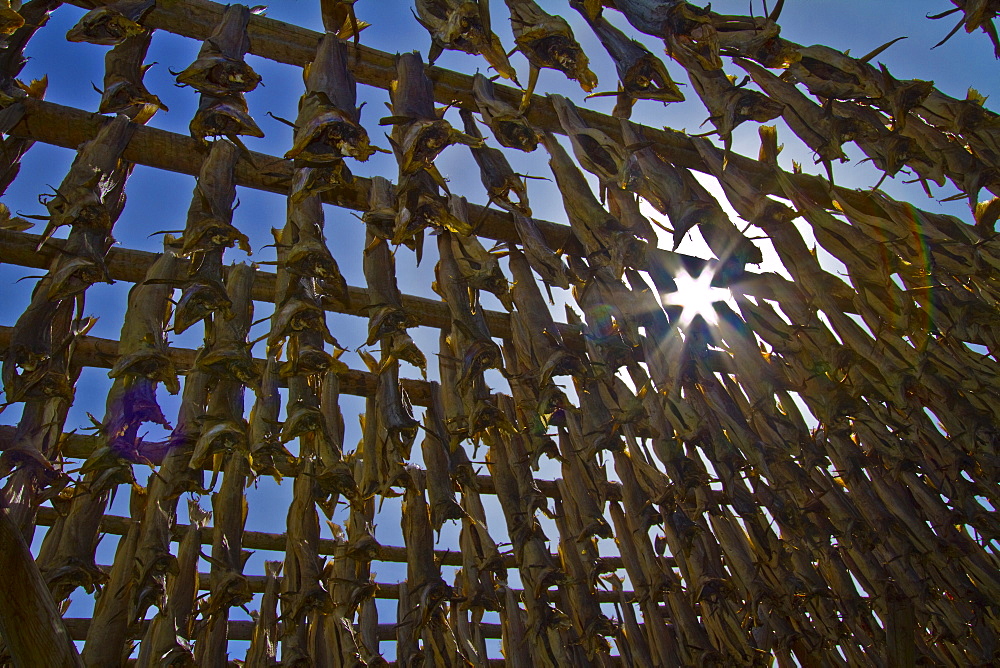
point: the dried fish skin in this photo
(463, 25)
(10, 19)
(548, 41)
(643, 76)
(209, 225)
(124, 91)
(675, 193)
(111, 24)
(83, 198)
(596, 152)
(381, 214)
(328, 126)
(823, 133)
(479, 268)
(728, 106)
(419, 133)
(220, 70)
(495, 172)
(226, 116)
(508, 125)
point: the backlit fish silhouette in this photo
(463, 25)
(112, 23)
(547, 41)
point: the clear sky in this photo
(159, 200)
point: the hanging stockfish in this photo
(124, 91)
(108, 635)
(728, 105)
(153, 556)
(12, 90)
(387, 319)
(537, 356)
(596, 152)
(641, 75)
(419, 131)
(436, 450)
(208, 232)
(508, 124)
(577, 554)
(604, 239)
(547, 41)
(426, 617)
(821, 131)
(263, 650)
(10, 19)
(303, 595)
(328, 126)
(674, 192)
(469, 340)
(547, 626)
(463, 25)
(479, 268)
(361, 544)
(222, 77)
(167, 640)
(495, 172)
(514, 643)
(111, 24)
(974, 14)
(224, 442)
(90, 199)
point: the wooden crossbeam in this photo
(80, 446)
(68, 127)
(276, 542)
(294, 45)
(243, 629)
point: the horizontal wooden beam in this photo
(259, 540)
(80, 446)
(294, 45)
(127, 264)
(386, 590)
(243, 629)
(68, 127)
(93, 351)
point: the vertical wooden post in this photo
(29, 620)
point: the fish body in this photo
(548, 42)
(328, 126)
(463, 25)
(508, 124)
(111, 24)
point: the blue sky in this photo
(159, 200)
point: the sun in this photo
(696, 295)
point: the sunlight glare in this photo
(696, 295)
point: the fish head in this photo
(105, 26)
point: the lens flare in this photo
(696, 295)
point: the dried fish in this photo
(547, 41)
(220, 69)
(495, 172)
(111, 24)
(508, 124)
(222, 77)
(328, 126)
(419, 132)
(675, 193)
(124, 91)
(643, 76)
(463, 25)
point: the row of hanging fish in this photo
(745, 534)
